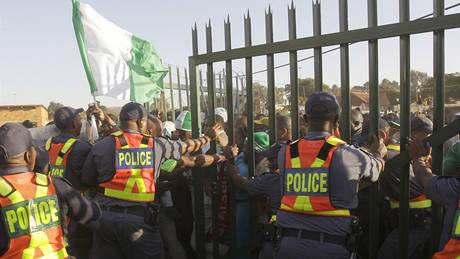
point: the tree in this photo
(52, 107)
(260, 98)
(391, 89)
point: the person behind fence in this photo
(67, 154)
(319, 182)
(444, 190)
(419, 204)
(124, 168)
(357, 121)
(52, 200)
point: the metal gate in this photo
(435, 23)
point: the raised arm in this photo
(193, 145)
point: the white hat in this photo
(222, 112)
(168, 128)
(184, 121)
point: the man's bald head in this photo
(283, 128)
(155, 126)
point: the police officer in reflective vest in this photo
(444, 190)
(419, 204)
(319, 184)
(34, 206)
(67, 154)
(124, 167)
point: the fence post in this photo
(270, 76)
(344, 74)
(197, 176)
(171, 92)
(438, 123)
(404, 48)
(179, 90)
(293, 75)
(373, 125)
(187, 88)
(318, 56)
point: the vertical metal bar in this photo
(438, 97)
(179, 90)
(211, 120)
(270, 76)
(317, 53)
(202, 96)
(293, 75)
(221, 102)
(237, 92)
(197, 176)
(187, 87)
(163, 104)
(404, 63)
(345, 132)
(374, 125)
(250, 116)
(230, 125)
(171, 92)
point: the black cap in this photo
(421, 123)
(327, 100)
(42, 159)
(64, 116)
(366, 129)
(14, 140)
(132, 111)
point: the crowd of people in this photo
(122, 186)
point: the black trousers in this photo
(123, 236)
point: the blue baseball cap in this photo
(326, 100)
(64, 116)
(132, 111)
(14, 140)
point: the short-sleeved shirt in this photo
(266, 184)
(445, 191)
(349, 165)
(75, 160)
(100, 165)
(451, 163)
(71, 202)
(389, 181)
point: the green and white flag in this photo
(117, 63)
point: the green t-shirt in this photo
(451, 163)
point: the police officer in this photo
(319, 176)
(444, 190)
(419, 204)
(67, 154)
(124, 167)
(34, 206)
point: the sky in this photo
(40, 62)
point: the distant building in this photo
(360, 98)
(18, 113)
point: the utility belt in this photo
(149, 213)
(349, 242)
(417, 217)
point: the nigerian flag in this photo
(117, 63)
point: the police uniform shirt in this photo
(266, 184)
(389, 181)
(70, 202)
(100, 165)
(348, 166)
(75, 159)
(445, 191)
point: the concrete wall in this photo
(17, 113)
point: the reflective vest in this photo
(419, 202)
(58, 154)
(134, 178)
(305, 177)
(452, 248)
(30, 212)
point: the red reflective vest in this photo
(134, 178)
(58, 154)
(452, 248)
(305, 177)
(30, 211)
(419, 202)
